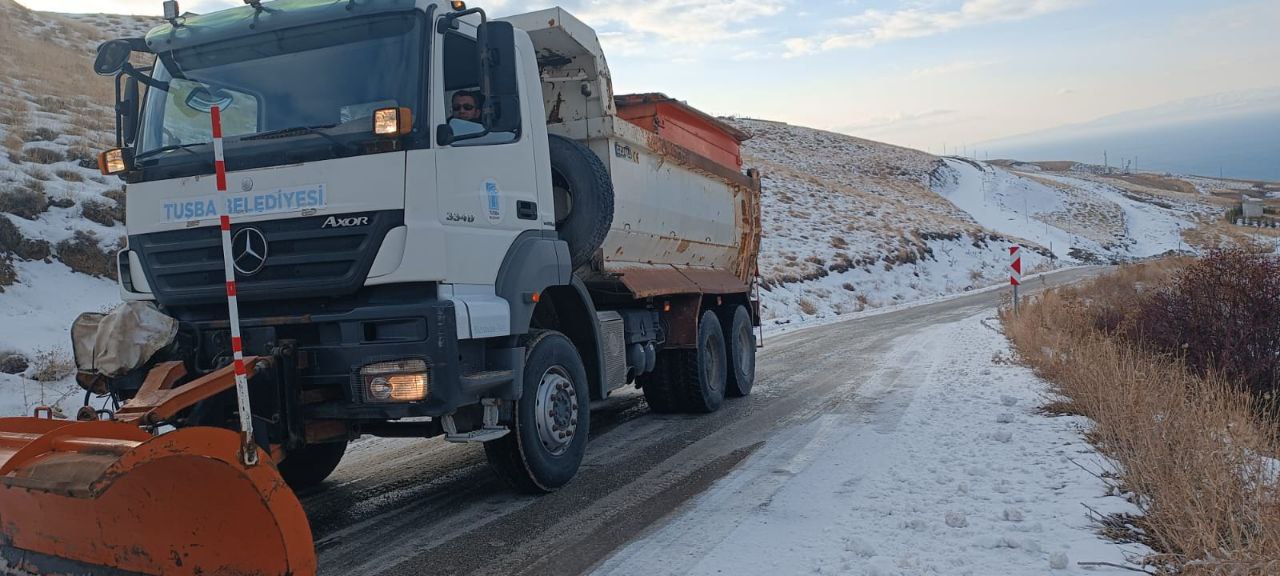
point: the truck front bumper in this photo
(332, 347)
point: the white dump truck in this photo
(441, 224)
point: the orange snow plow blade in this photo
(106, 497)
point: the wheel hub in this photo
(556, 410)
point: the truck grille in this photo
(184, 267)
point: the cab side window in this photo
(462, 98)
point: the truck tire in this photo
(660, 388)
(310, 465)
(583, 197)
(740, 342)
(551, 420)
(691, 380)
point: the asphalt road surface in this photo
(411, 506)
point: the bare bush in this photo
(12, 241)
(42, 134)
(119, 196)
(69, 175)
(83, 254)
(1221, 314)
(51, 365)
(24, 202)
(7, 274)
(83, 156)
(807, 306)
(1190, 447)
(42, 155)
(104, 213)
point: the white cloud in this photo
(950, 68)
(680, 22)
(875, 26)
(798, 47)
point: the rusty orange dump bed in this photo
(684, 125)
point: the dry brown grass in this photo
(1191, 449)
(1215, 233)
(52, 365)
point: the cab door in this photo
(486, 186)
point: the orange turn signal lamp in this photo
(112, 161)
(458, 5)
(392, 121)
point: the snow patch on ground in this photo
(944, 467)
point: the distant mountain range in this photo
(1234, 134)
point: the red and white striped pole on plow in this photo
(248, 450)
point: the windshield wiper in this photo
(301, 131)
(183, 147)
(289, 132)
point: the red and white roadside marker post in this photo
(1015, 272)
(248, 449)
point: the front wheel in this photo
(309, 465)
(550, 421)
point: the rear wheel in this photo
(550, 421)
(740, 341)
(691, 380)
(310, 465)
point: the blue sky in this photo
(923, 73)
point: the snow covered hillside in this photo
(60, 220)
(851, 224)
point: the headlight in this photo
(397, 381)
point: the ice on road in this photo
(937, 464)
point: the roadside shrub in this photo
(1188, 450)
(13, 242)
(83, 254)
(104, 213)
(51, 365)
(119, 196)
(42, 134)
(807, 306)
(83, 156)
(24, 202)
(69, 175)
(62, 202)
(41, 155)
(7, 274)
(1221, 314)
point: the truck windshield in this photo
(321, 82)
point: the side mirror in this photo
(112, 56)
(127, 109)
(498, 80)
(444, 135)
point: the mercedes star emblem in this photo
(249, 251)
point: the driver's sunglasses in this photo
(463, 107)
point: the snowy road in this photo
(876, 446)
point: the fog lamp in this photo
(112, 162)
(392, 121)
(397, 381)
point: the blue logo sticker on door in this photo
(494, 203)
